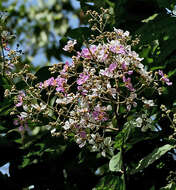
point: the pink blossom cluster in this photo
(58, 83)
(89, 91)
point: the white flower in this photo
(140, 66)
(114, 43)
(103, 153)
(82, 144)
(23, 114)
(93, 136)
(149, 103)
(126, 34)
(67, 125)
(139, 122)
(53, 131)
(25, 107)
(109, 108)
(91, 141)
(72, 113)
(39, 108)
(66, 100)
(118, 31)
(70, 45)
(94, 148)
(71, 121)
(144, 128)
(36, 106)
(107, 141)
(42, 106)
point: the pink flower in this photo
(78, 55)
(130, 72)
(87, 53)
(65, 68)
(82, 79)
(124, 66)
(112, 67)
(83, 134)
(83, 91)
(102, 53)
(50, 82)
(20, 99)
(99, 115)
(60, 84)
(108, 71)
(121, 50)
(20, 121)
(115, 47)
(164, 78)
(15, 122)
(41, 85)
(21, 128)
(128, 83)
(160, 72)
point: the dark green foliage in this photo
(81, 34)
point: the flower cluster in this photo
(87, 93)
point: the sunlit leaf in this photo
(115, 163)
(152, 157)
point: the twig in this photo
(3, 56)
(124, 168)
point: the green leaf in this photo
(110, 182)
(172, 73)
(136, 136)
(155, 155)
(1, 128)
(43, 74)
(157, 68)
(171, 186)
(115, 163)
(152, 188)
(150, 18)
(80, 34)
(123, 136)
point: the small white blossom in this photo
(53, 131)
(107, 141)
(39, 108)
(94, 148)
(70, 45)
(103, 153)
(149, 103)
(65, 100)
(23, 114)
(91, 141)
(140, 66)
(67, 125)
(25, 107)
(144, 128)
(139, 122)
(109, 108)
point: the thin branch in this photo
(3, 55)
(124, 168)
